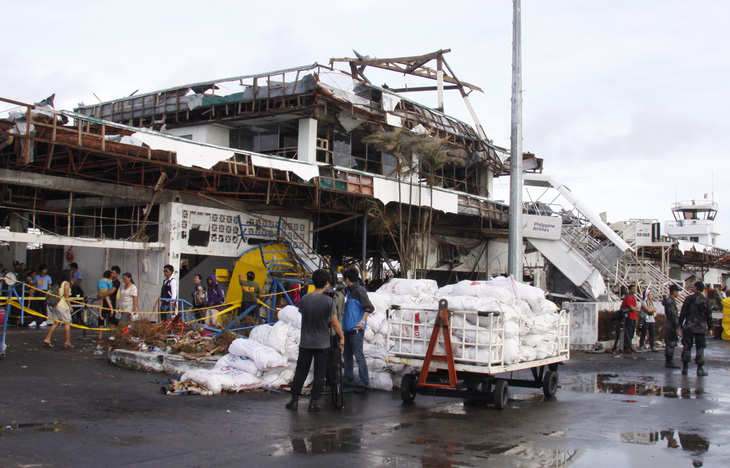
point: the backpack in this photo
(54, 299)
(204, 297)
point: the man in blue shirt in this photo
(76, 279)
(354, 323)
(43, 282)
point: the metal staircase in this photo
(296, 258)
(587, 250)
(593, 256)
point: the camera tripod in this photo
(622, 341)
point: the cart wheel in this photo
(550, 383)
(499, 394)
(408, 388)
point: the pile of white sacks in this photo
(531, 324)
(268, 357)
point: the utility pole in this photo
(515, 180)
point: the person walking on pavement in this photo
(629, 303)
(318, 311)
(61, 314)
(671, 326)
(354, 323)
(693, 319)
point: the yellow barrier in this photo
(228, 308)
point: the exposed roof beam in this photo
(64, 184)
(52, 239)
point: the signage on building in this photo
(644, 234)
(541, 227)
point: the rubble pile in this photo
(143, 335)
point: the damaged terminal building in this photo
(194, 177)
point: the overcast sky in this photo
(626, 101)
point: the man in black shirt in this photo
(694, 317)
(671, 339)
(318, 311)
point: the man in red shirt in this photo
(629, 303)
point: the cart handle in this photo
(487, 313)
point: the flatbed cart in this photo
(465, 366)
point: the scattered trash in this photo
(177, 387)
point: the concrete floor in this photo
(72, 408)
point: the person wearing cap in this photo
(693, 319)
(671, 326)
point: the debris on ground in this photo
(143, 335)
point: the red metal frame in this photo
(441, 325)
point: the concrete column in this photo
(16, 250)
(307, 142)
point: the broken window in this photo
(277, 138)
(199, 233)
(342, 148)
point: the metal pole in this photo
(515, 198)
(364, 245)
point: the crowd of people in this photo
(118, 302)
(693, 322)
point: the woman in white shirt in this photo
(128, 302)
(648, 309)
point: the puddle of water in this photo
(346, 440)
(454, 408)
(600, 383)
(692, 442)
(54, 426)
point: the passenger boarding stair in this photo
(297, 256)
(644, 272)
(597, 259)
(587, 249)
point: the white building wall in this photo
(307, 141)
(210, 134)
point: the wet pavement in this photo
(72, 408)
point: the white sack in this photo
(511, 351)
(528, 354)
(274, 336)
(236, 362)
(265, 357)
(483, 289)
(277, 378)
(380, 381)
(408, 287)
(532, 339)
(381, 303)
(232, 380)
(376, 322)
(291, 315)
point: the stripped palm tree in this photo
(423, 155)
